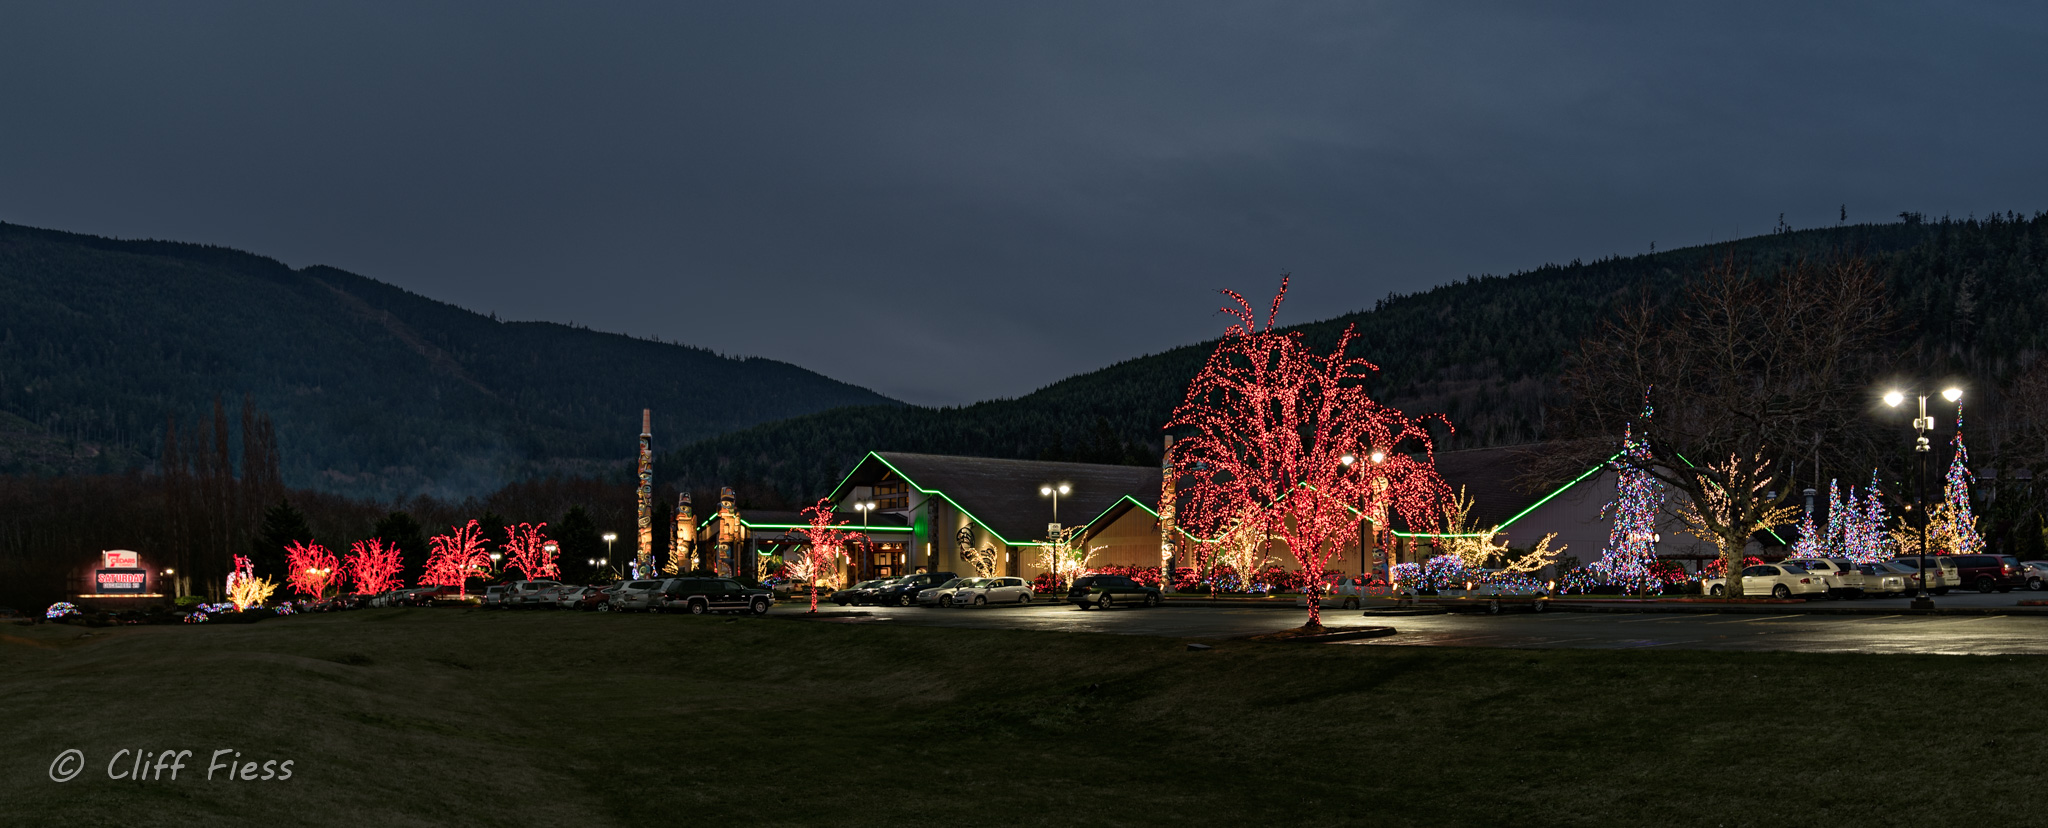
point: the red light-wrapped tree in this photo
(1286, 438)
(374, 567)
(310, 568)
(456, 558)
(824, 541)
(527, 549)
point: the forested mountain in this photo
(1483, 351)
(376, 391)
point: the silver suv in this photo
(638, 596)
(527, 593)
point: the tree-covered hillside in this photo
(376, 391)
(1484, 351)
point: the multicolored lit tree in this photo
(824, 543)
(456, 558)
(1961, 523)
(528, 550)
(1268, 425)
(1863, 535)
(374, 567)
(1638, 496)
(245, 590)
(309, 568)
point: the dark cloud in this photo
(950, 201)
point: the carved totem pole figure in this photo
(643, 563)
(682, 551)
(730, 533)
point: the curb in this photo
(1337, 634)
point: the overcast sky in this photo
(955, 201)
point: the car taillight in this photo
(1805, 580)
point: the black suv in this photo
(903, 591)
(1105, 591)
(701, 595)
(1982, 572)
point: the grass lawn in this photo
(451, 717)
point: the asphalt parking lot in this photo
(1874, 633)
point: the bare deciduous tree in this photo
(1775, 366)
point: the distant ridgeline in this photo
(375, 391)
(1483, 351)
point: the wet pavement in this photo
(1874, 633)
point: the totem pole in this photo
(682, 551)
(643, 563)
(730, 534)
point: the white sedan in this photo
(1776, 580)
(984, 591)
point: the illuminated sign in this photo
(120, 559)
(114, 581)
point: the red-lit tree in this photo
(310, 568)
(456, 558)
(528, 550)
(374, 567)
(824, 542)
(1286, 438)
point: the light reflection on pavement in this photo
(1940, 634)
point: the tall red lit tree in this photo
(310, 568)
(374, 567)
(528, 550)
(456, 558)
(1286, 438)
(824, 542)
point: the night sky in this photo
(949, 202)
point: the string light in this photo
(244, 589)
(1632, 539)
(456, 558)
(1961, 528)
(1270, 422)
(528, 550)
(824, 543)
(373, 566)
(309, 568)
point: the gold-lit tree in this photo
(1721, 516)
(1483, 548)
(245, 590)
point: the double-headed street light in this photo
(608, 538)
(865, 508)
(1921, 425)
(1053, 530)
(1364, 563)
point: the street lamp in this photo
(1053, 534)
(865, 508)
(1376, 457)
(608, 538)
(1921, 425)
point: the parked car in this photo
(1881, 580)
(570, 596)
(2037, 574)
(1983, 573)
(1842, 577)
(640, 596)
(527, 593)
(941, 595)
(859, 593)
(698, 596)
(1106, 591)
(1782, 580)
(1939, 578)
(984, 591)
(494, 596)
(1346, 591)
(903, 591)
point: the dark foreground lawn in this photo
(446, 717)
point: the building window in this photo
(892, 495)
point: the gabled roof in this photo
(1002, 495)
(764, 521)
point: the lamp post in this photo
(608, 538)
(865, 508)
(173, 591)
(1053, 532)
(1349, 460)
(1921, 425)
